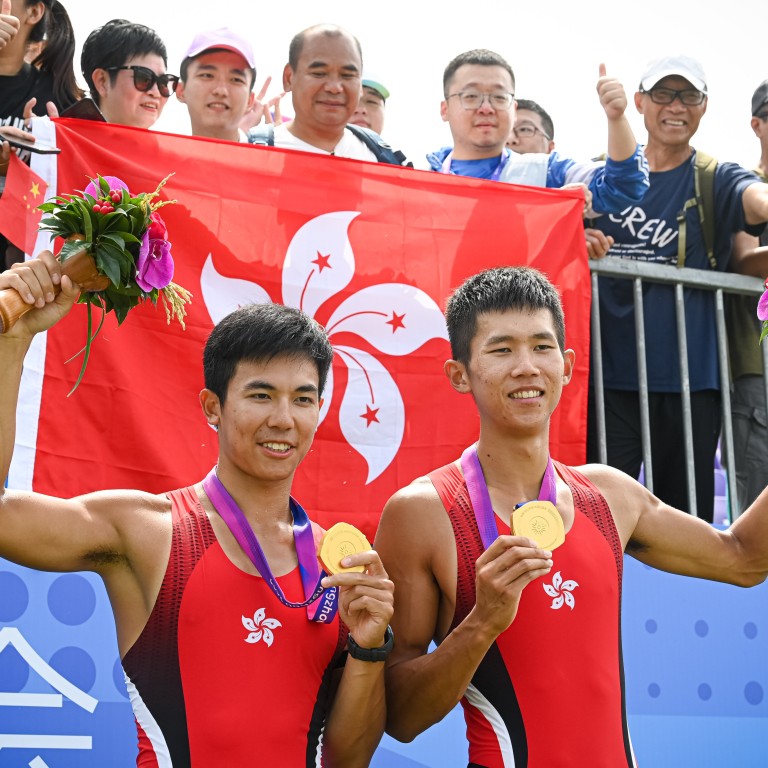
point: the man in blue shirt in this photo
(672, 98)
(479, 107)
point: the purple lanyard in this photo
(505, 155)
(481, 499)
(303, 537)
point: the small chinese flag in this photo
(19, 215)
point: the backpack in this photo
(265, 136)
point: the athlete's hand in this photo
(36, 281)
(366, 600)
(612, 95)
(502, 573)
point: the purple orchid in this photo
(762, 306)
(154, 268)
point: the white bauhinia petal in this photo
(268, 637)
(395, 318)
(327, 396)
(570, 585)
(550, 590)
(319, 262)
(271, 623)
(372, 414)
(569, 601)
(254, 637)
(557, 602)
(557, 580)
(258, 617)
(222, 295)
(248, 624)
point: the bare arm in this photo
(674, 541)
(621, 141)
(357, 717)
(416, 543)
(755, 202)
(748, 257)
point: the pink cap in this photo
(223, 38)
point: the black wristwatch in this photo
(372, 654)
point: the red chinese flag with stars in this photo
(371, 251)
(19, 216)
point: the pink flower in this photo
(157, 228)
(154, 268)
(94, 190)
(762, 307)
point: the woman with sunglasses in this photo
(124, 65)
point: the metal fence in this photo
(717, 282)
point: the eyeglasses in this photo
(144, 79)
(528, 131)
(690, 97)
(475, 99)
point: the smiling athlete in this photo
(528, 638)
(226, 662)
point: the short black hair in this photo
(546, 120)
(480, 56)
(114, 44)
(261, 332)
(498, 290)
(189, 59)
(331, 30)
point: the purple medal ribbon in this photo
(481, 499)
(303, 537)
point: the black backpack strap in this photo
(383, 152)
(264, 135)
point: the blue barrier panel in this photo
(696, 657)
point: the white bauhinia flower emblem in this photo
(260, 627)
(394, 318)
(561, 592)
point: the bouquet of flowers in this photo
(116, 249)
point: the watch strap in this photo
(372, 654)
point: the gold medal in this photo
(540, 521)
(340, 541)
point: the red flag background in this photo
(370, 250)
(19, 217)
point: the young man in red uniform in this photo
(528, 639)
(221, 669)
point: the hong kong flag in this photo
(371, 251)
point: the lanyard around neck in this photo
(481, 499)
(235, 520)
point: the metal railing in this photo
(718, 283)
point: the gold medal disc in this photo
(540, 521)
(340, 541)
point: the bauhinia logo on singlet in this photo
(561, 592)
(260, 627)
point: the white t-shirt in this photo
(349, 145)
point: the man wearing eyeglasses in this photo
(479, 107)
(124, 65)
(533, 130)
(672, 98)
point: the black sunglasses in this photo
(144, 78)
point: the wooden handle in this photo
(78, 266)
(12, 307)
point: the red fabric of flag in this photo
(19, 216)
(371, 251)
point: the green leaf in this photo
(117, 240)
(107, 263)
(71, 247)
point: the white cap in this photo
(682, 66)
(224, 38)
